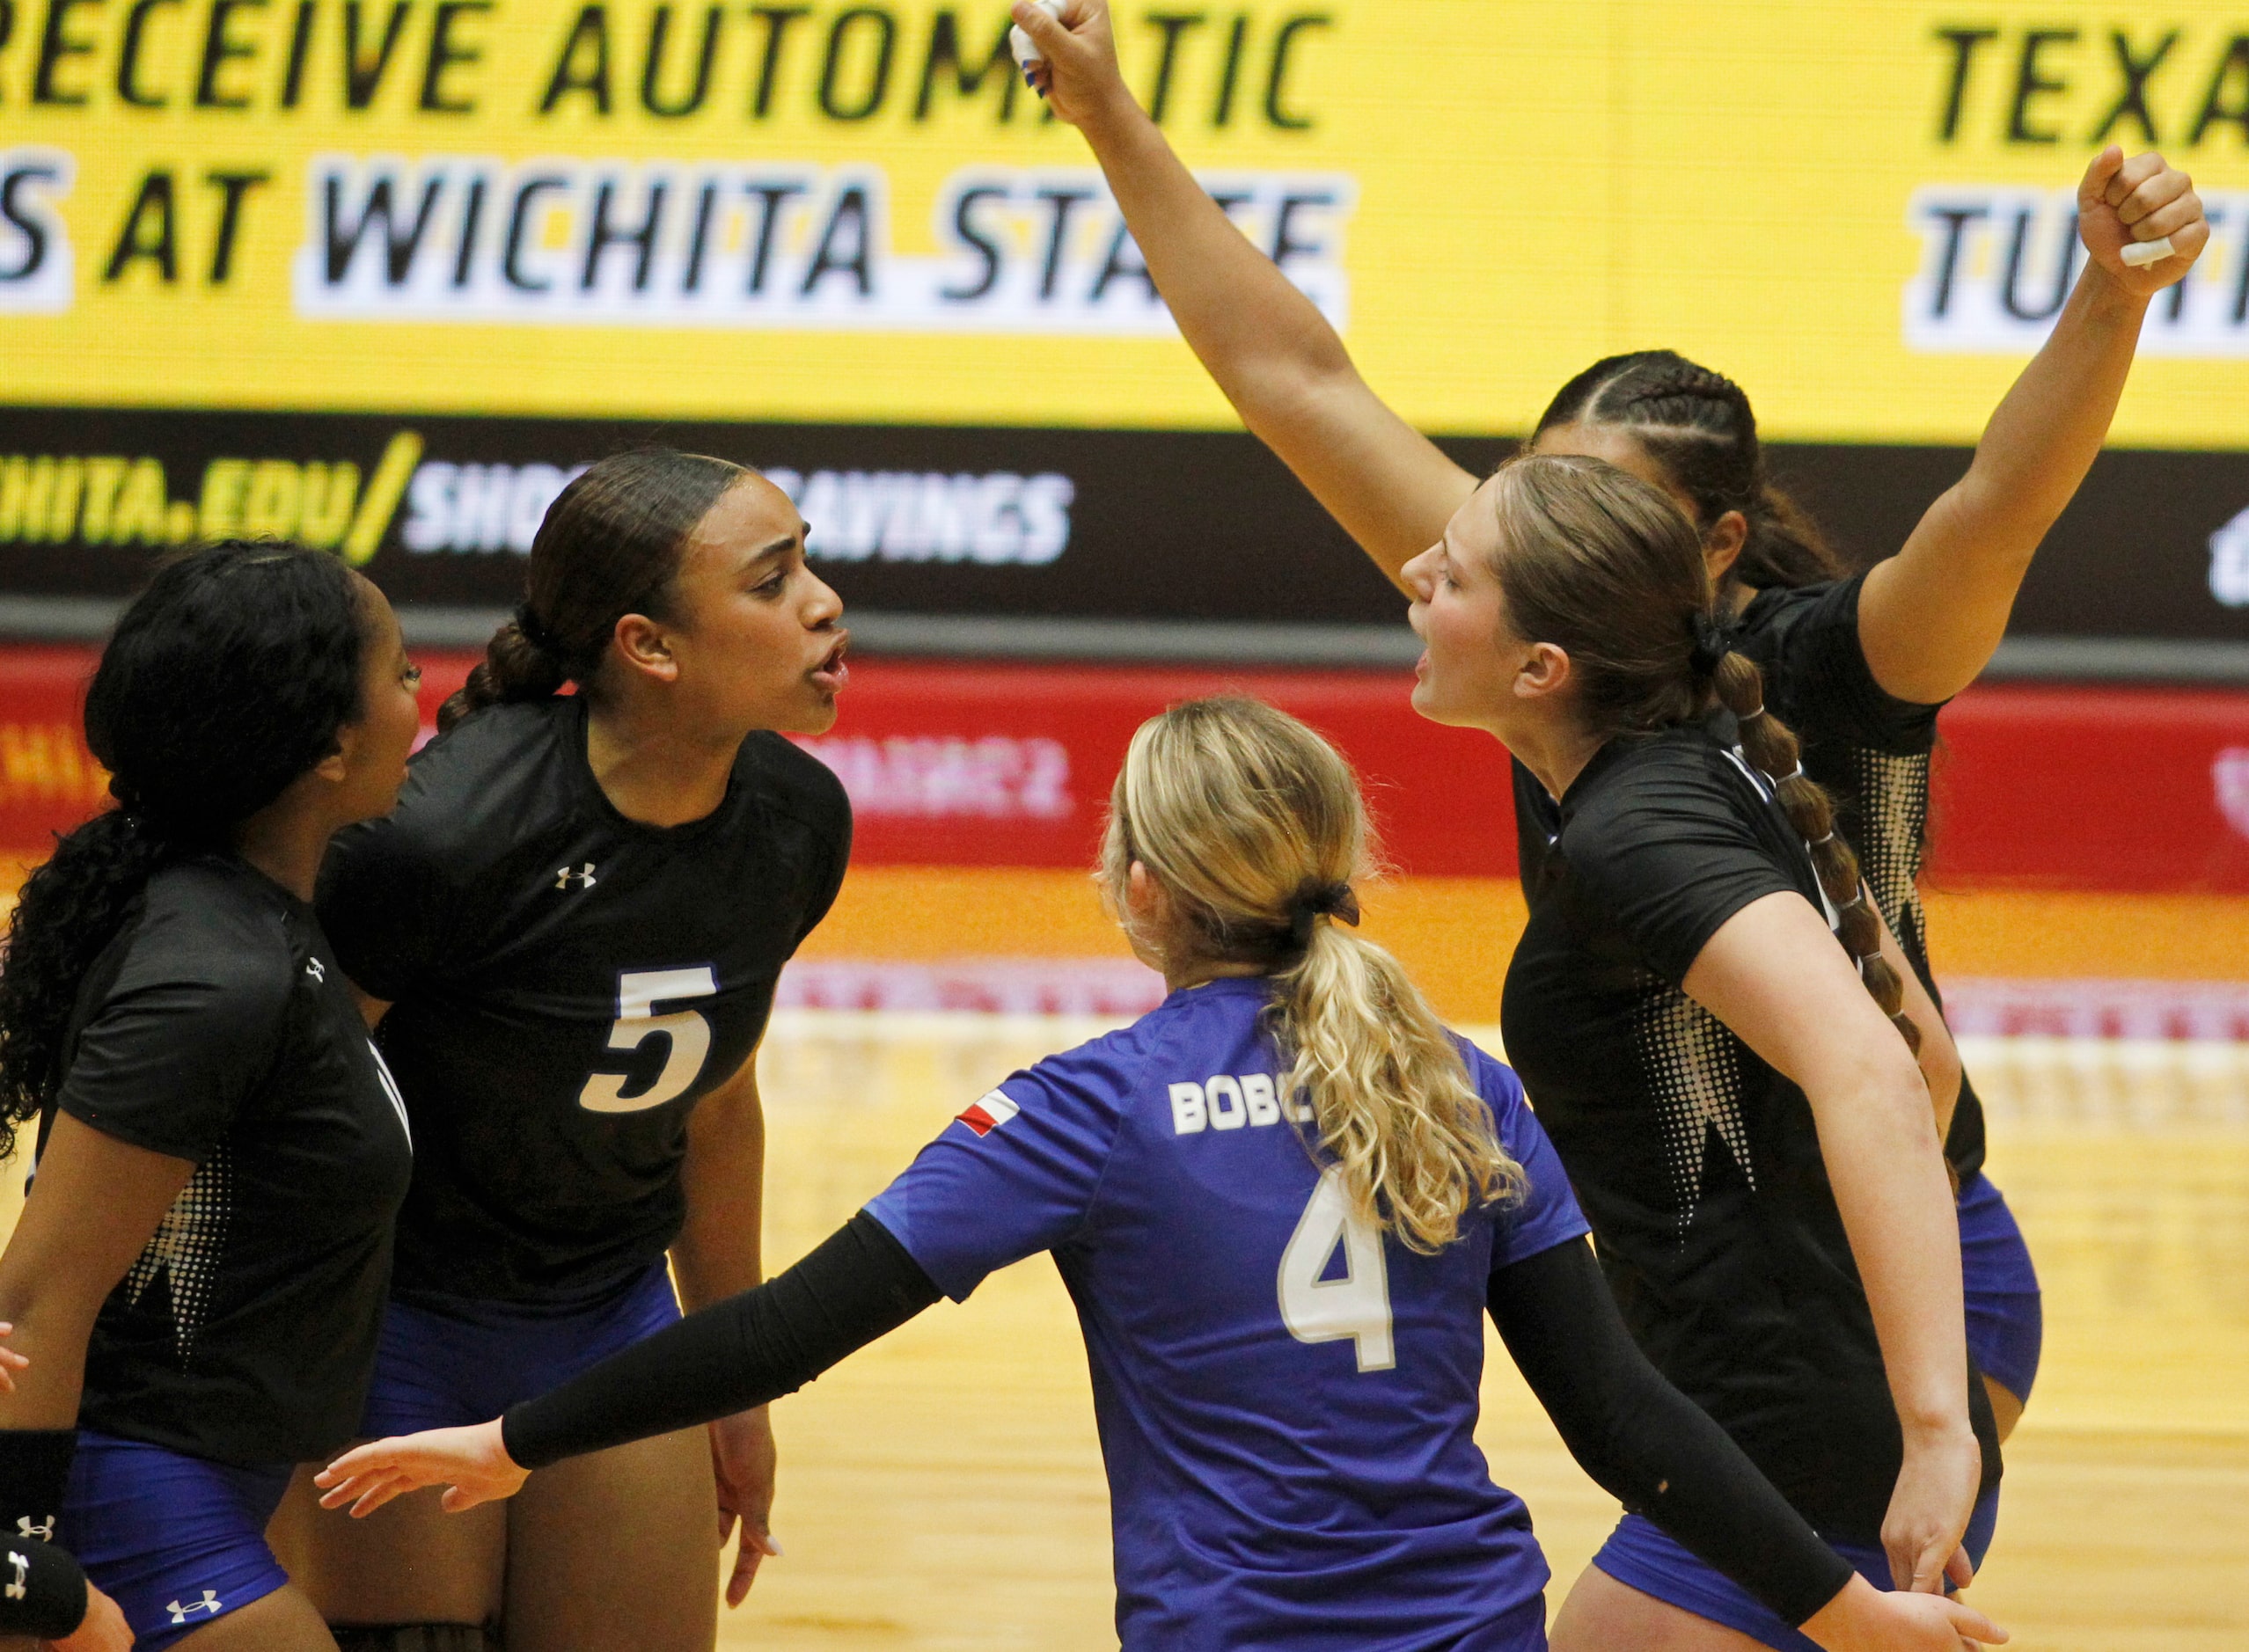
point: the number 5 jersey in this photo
(565, 985)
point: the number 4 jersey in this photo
(1286, 1399)
(565, 985)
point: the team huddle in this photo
(391, 1259)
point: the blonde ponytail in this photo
(1253, 825)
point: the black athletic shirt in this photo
(218, 1027)
(565, 985)
(1870, 749)
(1698, 1164)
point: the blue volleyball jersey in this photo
(1286, 1399)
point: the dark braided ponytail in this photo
(1698, 426)
(609, 546)
(1772, 748)
(226, 679)
(1602, 565)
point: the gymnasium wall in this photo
(2091, 874)
(381, 275)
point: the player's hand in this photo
(1930, 1510)
(10, 1362)
(1078, 72)
(2141, 199)
(1864, 1618)
(743, 1459)
(472, 1464)
(103, 1629)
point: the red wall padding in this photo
(985, 764)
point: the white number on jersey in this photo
(688, 1035)
(1357, 1306)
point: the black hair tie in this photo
(1314, 900)
(536, 633)
(1714, 639)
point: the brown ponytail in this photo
(1603, 565)
(608, 547)
(1769, 744)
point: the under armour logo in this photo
(209, 1602)
(581, 879)
(16, 1590)
(313, 968)
(42, 1533)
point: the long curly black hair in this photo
(225, 680)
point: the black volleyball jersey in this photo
(1696, 1163)
(565, 985)
(1870, 749)
(218, 1027)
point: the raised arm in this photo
(1265, 343)
(1774, 973)
(1931, 616)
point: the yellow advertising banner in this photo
(801, 210)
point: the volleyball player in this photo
(1754, 1147)
(1859, 667)
(571, 928)
(199, 1268)
(1282, 1202)
(1816, 636)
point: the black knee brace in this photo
(414, 1637)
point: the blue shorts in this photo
(2005, 1324)
(1641, 1555)
(175, 1540)
(446, 1366)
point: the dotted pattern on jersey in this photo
(1892, 823)
(186, 1248)
(1694, 1070)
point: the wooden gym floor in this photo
(943, 1488)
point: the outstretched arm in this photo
(1646, 1444)
(1660, 1455)
(1773, 974)
(745, 1351)
(1266, 344)
(1931, 616)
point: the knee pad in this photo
(414, 1637)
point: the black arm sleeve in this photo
(859, 1284)
(42, 1591)
(1645, 1443)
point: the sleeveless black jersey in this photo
(1870, 750)
(565, 985)
(218, 1027)
(1696, 1163)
